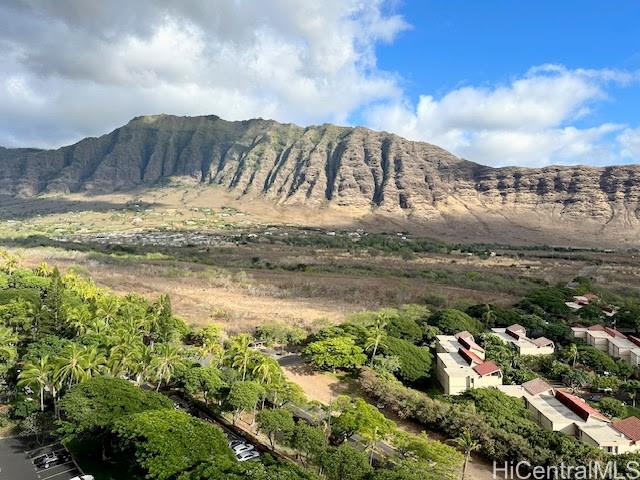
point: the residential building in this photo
(461, 364)
(611, 341)
(516, 336)
(560, 411)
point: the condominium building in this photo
(516, 336)
(461, 364)
(610, 340)
(560, 411)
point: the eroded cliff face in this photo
(328, 165)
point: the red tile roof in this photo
(469, 356)
(486, 368)
(579, 406)
(536, 386)
(614, 333)
(629, 427)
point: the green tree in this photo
(240, 353)
(201, 380)
(344, 463)
(8, 344)
(72, 366)
(377, 337)
(244, 396)
(309, 441)
(166, 442)
(336, 352)
(452, 321)
(276, 423)
(37, 375)
(415, 362)
(612, 407)
(166, 359)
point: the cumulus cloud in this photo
(529, 121)
(74, 68)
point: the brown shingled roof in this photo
(578, 406)
(486, 368)
(536, 386)
(629, 427)
(542, 342)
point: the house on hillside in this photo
(461, 364)
(516, 336)
(609, 340)
(563, 412)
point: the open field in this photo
(243, 267)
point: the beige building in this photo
(460, 364)
(562, 412)
(516, 335)
(610, 340)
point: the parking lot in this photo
(20, 461)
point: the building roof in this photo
(635, 340)
(578, 406)
(486, 368)
(463, 334)
(630, 427)
(516, 331)
(614, 333)
(470, 344)
(542, 342)
(594, 328)
(536, 386)
(469, 356)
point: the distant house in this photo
(560, 411)
(611, 341)
(461, 364)
(516, 336)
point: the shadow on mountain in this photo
(12, 208)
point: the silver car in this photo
(249, 455)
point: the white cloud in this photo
(74, 68)
(629, 141)
(530, 121)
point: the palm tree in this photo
(377, 337)
(95, 362)
(8, 341)
(572, 352)
(267, 372)
(72, 365)
(466, 443)
(240, 353)
(80, 319)
(39, 375)
(108, 308)
(167, 357)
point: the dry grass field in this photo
(242, 265)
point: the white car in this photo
(249, 455)
(84, 477)
(243, 447)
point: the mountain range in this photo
(354, 169)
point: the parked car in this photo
(52, 459)
(243, 447)
(84, 477)
(45, 458)
(234, 443)
(245, 456)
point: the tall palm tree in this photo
(95, 362)
(572, 352)
(72, 365)
(167, 357)
(108, 307)
(8, 341)
(377, 337)
(267, 372)
(37, 374)
(466, 443)
(240, 353)
(79, 319)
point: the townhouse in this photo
(461, 364)
(563, 412)
(516, 336)
(611, 341)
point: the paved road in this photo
(16, 462)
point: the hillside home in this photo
(560, 411)
(461, 364)
(611, 341)
(516, 336)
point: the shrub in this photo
(415, 362)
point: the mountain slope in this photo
(334, 166)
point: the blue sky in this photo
(529, 83)
(455, 42)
